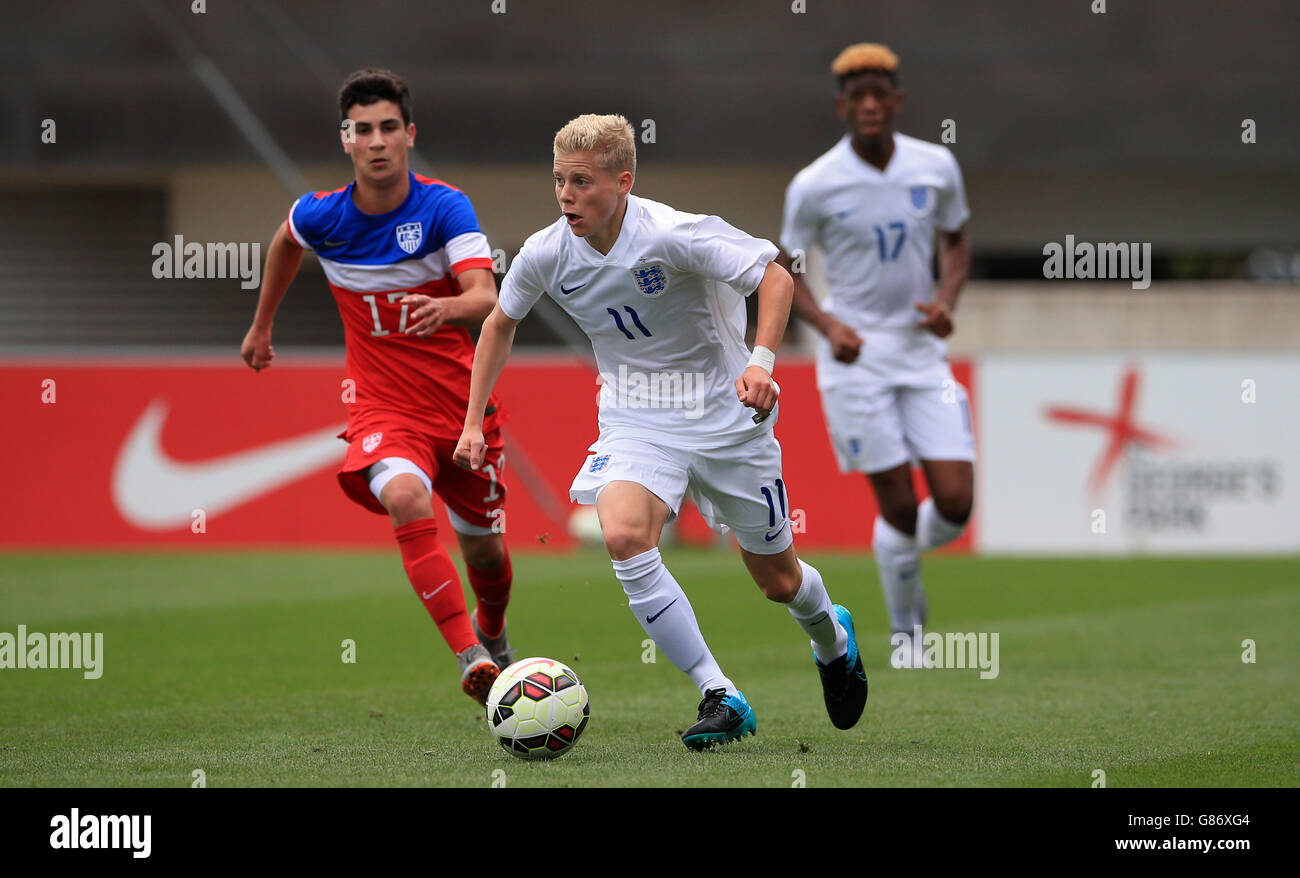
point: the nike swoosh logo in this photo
(661, 612)
(823, 618)
(571, 289)
(777, 532)
(337, 243)
(428, 594)
(154, 492)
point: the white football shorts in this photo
(876, 426)
(738, 488)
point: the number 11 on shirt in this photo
(618, 321)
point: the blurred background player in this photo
(645, 283)
(874, 204)
(409, 269)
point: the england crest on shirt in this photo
(652, 280)
(409, 236)
(920, 199)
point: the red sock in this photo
(435, 581)
(492, 588)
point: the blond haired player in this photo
(875, 203)
(659, 293)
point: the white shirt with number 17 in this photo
(876, 227)
(665, 314)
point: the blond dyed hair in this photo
(610, 138)
(864, 56)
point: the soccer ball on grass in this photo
(537, 708)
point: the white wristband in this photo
(763, 358)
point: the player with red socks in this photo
(409, 269)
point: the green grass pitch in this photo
(232, 663)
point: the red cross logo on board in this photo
(1120, 427)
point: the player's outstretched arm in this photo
(478, 296)
(755, 387)
(283, 260)
(954, 267)
(494, 344)
(845, 342)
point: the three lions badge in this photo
(652, 280)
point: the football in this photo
(537, 708)
(584, 526)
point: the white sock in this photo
(899, 564)
(932, 529)
(811, 608)
(652, 593)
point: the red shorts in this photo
(476, 497)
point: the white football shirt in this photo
(877, 230)
(665, 314)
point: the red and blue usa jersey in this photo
(371, 262)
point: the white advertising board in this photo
(1161, 453)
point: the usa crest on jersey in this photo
(409, 236)
(652, 280)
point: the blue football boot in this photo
(844, 680)
(723, 718)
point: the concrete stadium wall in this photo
(515, 200)
(1174, 208)
(247, 203)
(1094, 316)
